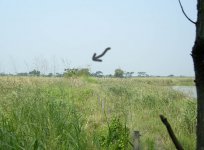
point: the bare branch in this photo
(185, 13)
(171, 133)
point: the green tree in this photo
(22, 74)
(119, 73)
(34, 73)
(129, 74)
(98, 74)
(2, 74)
(142, 74)
(50, 75)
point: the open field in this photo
(93, 113)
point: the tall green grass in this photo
(91, 113)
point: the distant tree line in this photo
(32, 73)
(77, 72)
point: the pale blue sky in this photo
(50, 35)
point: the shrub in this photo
(117, 137)
(77, 72)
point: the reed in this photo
(73, 113)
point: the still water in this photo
(187, 90)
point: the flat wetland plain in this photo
(94, 113)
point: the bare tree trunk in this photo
(198, 59)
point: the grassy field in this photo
(93, 113)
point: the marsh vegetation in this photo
(93, 113)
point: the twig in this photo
(171, 133)
(185, 13)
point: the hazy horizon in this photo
(154, 37)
